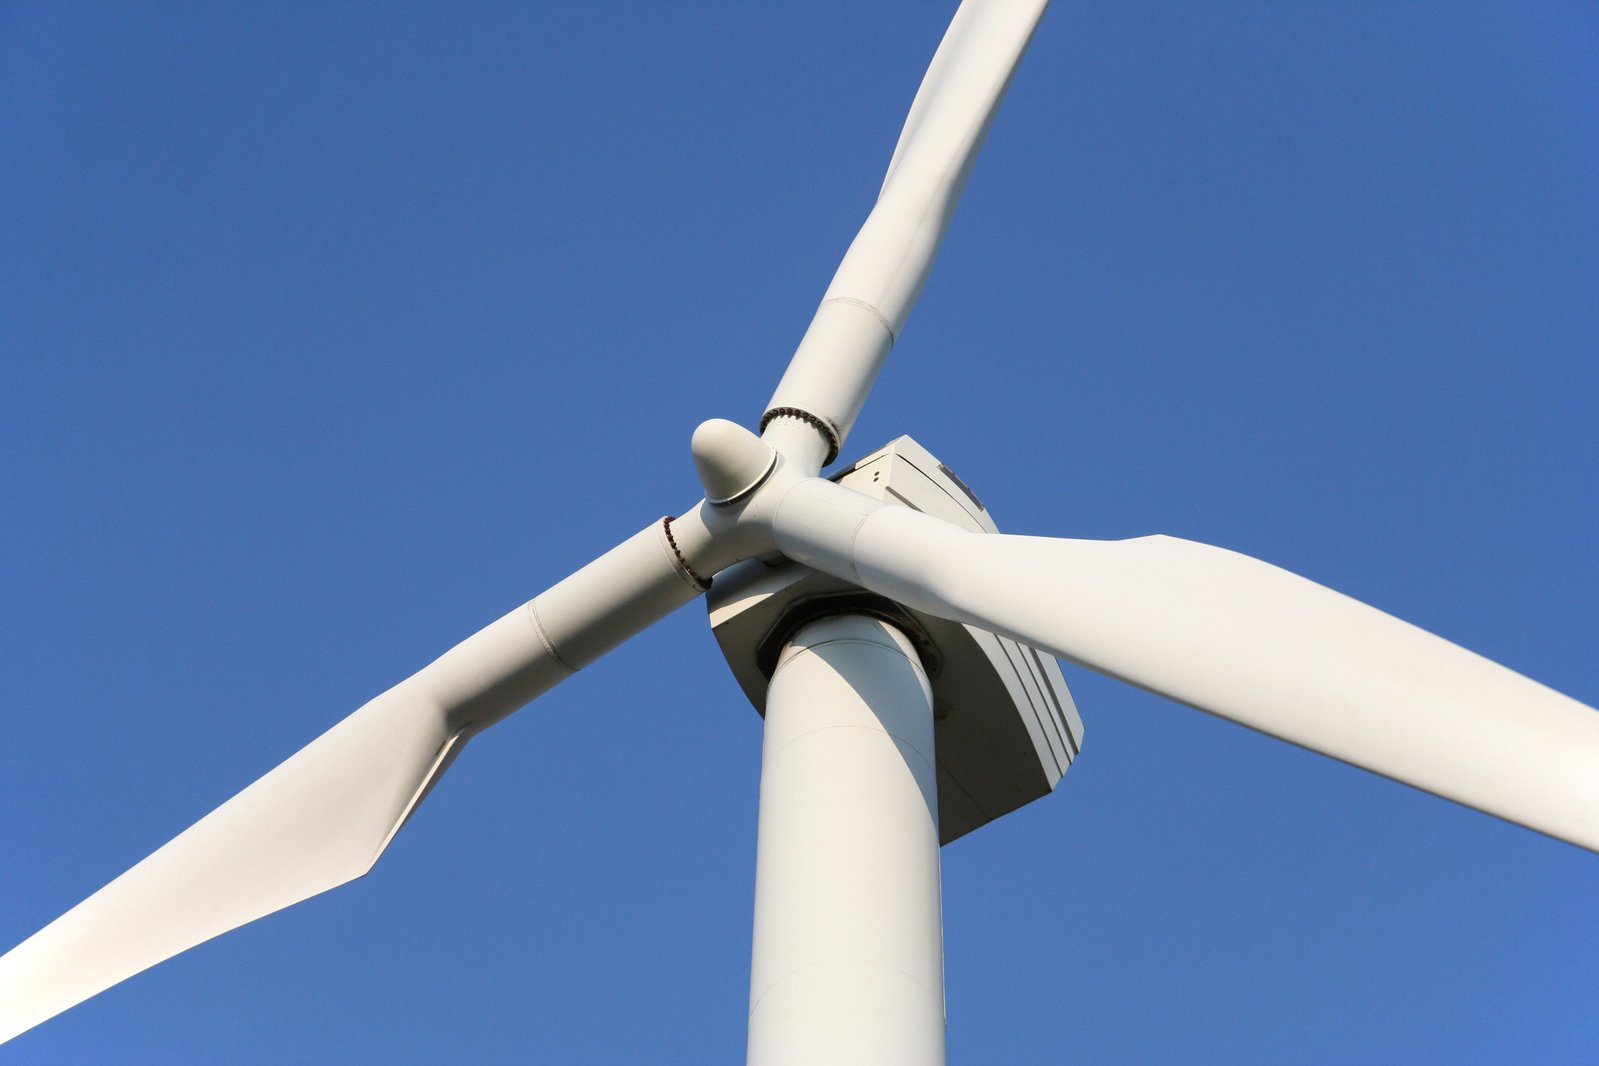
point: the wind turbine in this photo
(1087, 703)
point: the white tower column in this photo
(848, 963)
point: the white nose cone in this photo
(731, 460)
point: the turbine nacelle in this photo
(1005, 725)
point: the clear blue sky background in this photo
(329, 333)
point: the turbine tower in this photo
(902, 650)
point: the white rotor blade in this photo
(881, 275)
(1239, 638)
(323, 817)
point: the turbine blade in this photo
(883, 271)
(1239, 638)
(324, 816)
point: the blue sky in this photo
(329, 333)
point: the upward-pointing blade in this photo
(323, 817)
(890, 258)
(883, 271)
(1241, 639)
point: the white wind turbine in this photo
(1447, 769)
